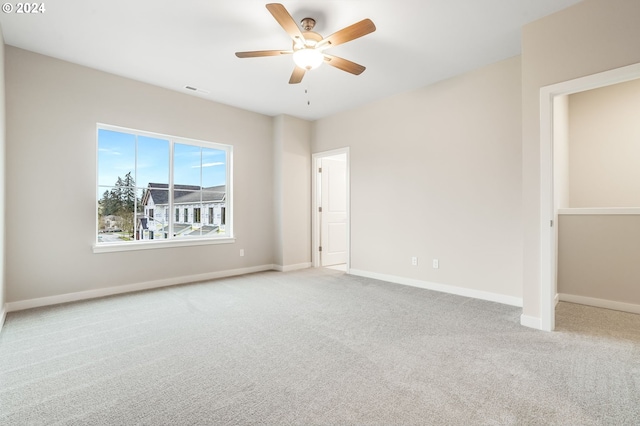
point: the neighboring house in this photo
(197, 211)
(111, 223)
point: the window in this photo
(143, 176)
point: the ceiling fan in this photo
(308, 46)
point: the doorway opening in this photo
(552, 121)
(330, 199)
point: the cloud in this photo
(208, 165)
(109, 151)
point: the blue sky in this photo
(193, 165)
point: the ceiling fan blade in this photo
(344, 64)
(285, 20)
(260, 53)
(296, 76)
(349, 33)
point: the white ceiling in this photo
(192, 42)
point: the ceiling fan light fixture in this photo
(308, 58)
(308, 46)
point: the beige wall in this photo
(52, 110)
(590, 37)
(292, 191)
(435, 173)
(604, 165)
(598, 257)
(561, 151)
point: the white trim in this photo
(600, 303)
(444, 288)
(289, 268)
(109, 291)
(3, 315)
(315, 193)
(531, 322)
(547, 202)
(556, 300)
(548, 251)
(159, 244)
(600, 211)
(227, 237)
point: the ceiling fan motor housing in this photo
(311, 39)
(308, 23)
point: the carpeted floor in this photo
(314, 347)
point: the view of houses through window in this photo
(143, 177)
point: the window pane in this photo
(153, 220)
(204, 228)
(214, 200)
(194, 214)
(115, 217)
(214, 170)
(187, 202)
(186, 165)
(152, 161)
(116, 156)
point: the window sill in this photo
(159, 244)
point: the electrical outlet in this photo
(241, 252)
(436, 264)
(414, 261)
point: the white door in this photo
(333, 217)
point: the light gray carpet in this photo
(314, 347)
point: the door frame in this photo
(548, 209)
(315, 203)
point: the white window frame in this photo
(107, 247)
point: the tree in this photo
(120, 201)
(109, 203)
(128, 192)
(117, 191)
(140, 206)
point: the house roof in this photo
(183, 194)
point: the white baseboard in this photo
(600, 303)
(289, 268)
(444, 288)
(531, 322)
(109, 291)
(556, 299)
